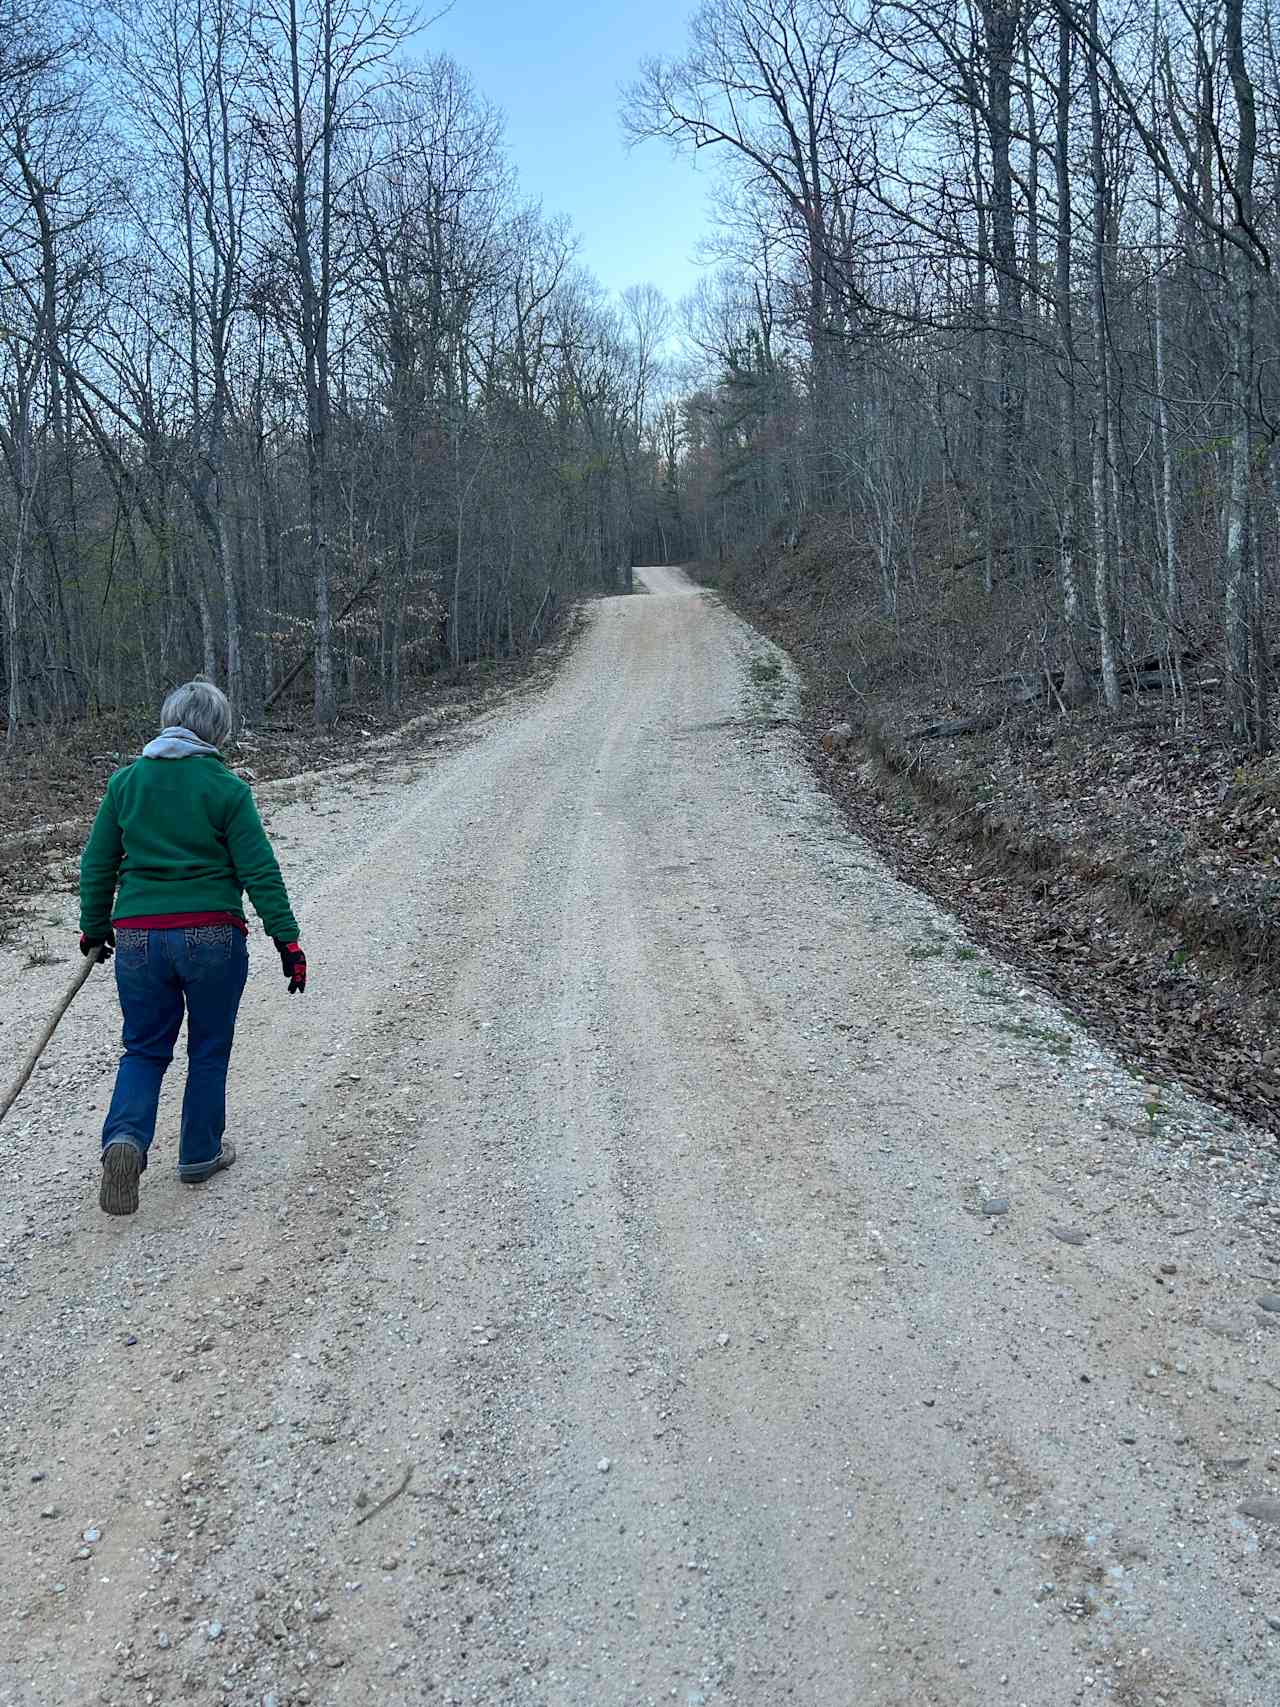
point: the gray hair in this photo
(202, 708)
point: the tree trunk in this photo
(1000, 27)
(1168, 523)
(231, 613)
(208, 652)
(1246, 696)
(1170, 598)
(1103, 575)
(981, 410)
(1073, 685)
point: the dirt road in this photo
(678, 1200)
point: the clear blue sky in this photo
(553, 67)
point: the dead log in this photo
(1149, 674)
(960, 726)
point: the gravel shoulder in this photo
(631, 1178)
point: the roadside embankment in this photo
(1129, 863)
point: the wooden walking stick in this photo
(42, 1042)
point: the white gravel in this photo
(635, 1119)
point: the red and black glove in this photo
(294, 963)
(102, 945)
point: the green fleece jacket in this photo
(180, 836)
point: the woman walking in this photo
(175, 845)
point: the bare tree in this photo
(321, 63)
(44, 210)
(1246, 665)
(1069, 506)
(768, 82)
(432, 200)
(187, 67)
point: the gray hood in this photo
(177, 743)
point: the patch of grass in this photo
(1056, 1042)
(930, 947)
(1153, 1105)
(40, 954)
(764, 670)
(966, 951)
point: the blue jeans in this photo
(158, 972)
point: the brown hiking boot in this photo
(121, 1165)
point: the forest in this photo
(998, 319)
(298, 391)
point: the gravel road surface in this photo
(765, 1296)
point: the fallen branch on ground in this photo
(1138, 675)
(387, 1499)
